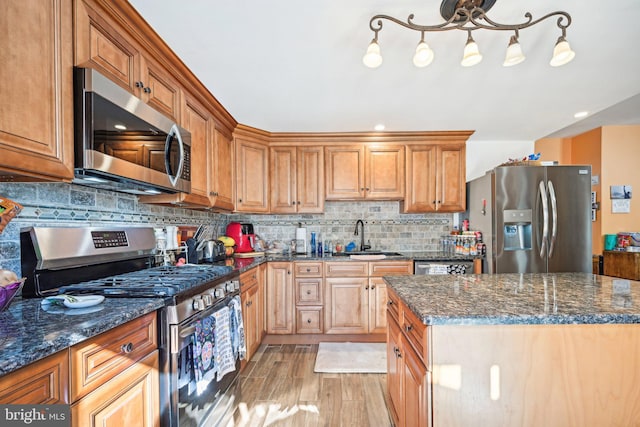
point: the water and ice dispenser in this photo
(517, 229)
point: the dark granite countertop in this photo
(501, 299)
(29, 333)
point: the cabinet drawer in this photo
(248, 279)
(41, 383)
(390, 268)
(393, 304)
(309, 320)
(416, 332)
(309, 291)
(307, 269)
(346, 269)
(105, 356)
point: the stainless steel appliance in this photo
(117, 262)
(534, 219)
(452, 266)
(123, 144)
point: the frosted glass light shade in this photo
(372, 58)
(562, 53)
(423, 56)
(514, 54)
(471, 54)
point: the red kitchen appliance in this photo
(243, 235)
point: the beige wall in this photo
(611, 151)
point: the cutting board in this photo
(248, 254)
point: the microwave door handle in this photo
(173, 132)
(554, 217)
(545, 218)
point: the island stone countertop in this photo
(501, 299)
(29, 332)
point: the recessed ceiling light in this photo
(379, 127)
(581, 114)
(120, 127)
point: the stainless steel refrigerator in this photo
(534, 219)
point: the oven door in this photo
(202, 396)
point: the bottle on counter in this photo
(320, 248)
(313, 243)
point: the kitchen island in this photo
(509, 349)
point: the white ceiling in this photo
(296, 66)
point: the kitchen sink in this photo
(367, 253)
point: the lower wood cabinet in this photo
(408, 381)
(309, 297)
(43, 382)
(251, 295)
(280, 307)
(129, 399)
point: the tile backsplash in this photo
(68, 205)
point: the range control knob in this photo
(198, 304)
(208, 300)
(219, 293)
(228, 286)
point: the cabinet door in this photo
(159, 89)
(131, 398)
(451, 179)
(377, 305)
(252, 169)
(36, 112)
(197, 120)
(283, 180)
(344, 172)
(310, 180)
(262, 300)
(394, 372)
(416, 393)
(420, 179)
(221, 173)
(280, 308)
(384, 172)
(100, 44)
(250, 318)
(347, 302)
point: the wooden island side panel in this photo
(536, 375)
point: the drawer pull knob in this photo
(389, 302)
(127, 348)
(308, 270)
(408, 328)
(308, 320)
(308, 292)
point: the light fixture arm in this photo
(470, 22)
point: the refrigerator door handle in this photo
(554, 217)
(545, 218)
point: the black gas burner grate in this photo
(157, 281)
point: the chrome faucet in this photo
(363, 247)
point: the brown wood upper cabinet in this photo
(36, 114)
(435, 178)
(103, 44)
(252, 176)
(361, 171)
(297, 179)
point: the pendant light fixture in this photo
(470, 15)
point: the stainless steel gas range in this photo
(200, 328)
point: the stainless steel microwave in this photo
(123, 144)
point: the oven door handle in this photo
(185, 332)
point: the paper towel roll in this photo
(301, 234)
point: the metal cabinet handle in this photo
(308, 320)
(126, 348)
(308, 292)
(308, 270)
(147, 90)
(373, 287)
(139, 84)
(240, 200)
(366, 287)
(408, 328)
(389, 302)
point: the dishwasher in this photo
(443, 267)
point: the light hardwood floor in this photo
(279, 388)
